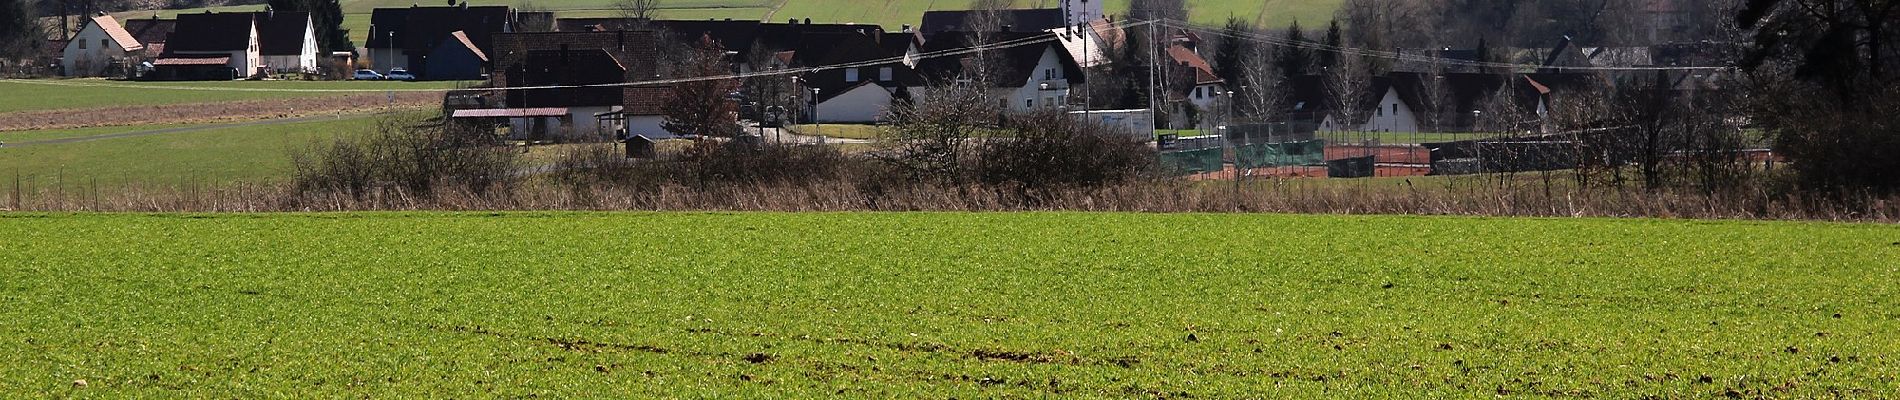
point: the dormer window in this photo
(884, 74)
(851, 75)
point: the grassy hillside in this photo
(941, 305)
(889, 13)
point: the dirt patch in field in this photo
(232, 111)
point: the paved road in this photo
(169, 130)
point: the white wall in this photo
(864, 104)
(1385, 119)
(1058, 93)
(99, 52)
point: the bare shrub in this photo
(1047, 149)
(404, 155)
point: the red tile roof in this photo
(1203, 73)
(220, 60)
(510, 112)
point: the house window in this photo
(103, 44)
(1395, 108)
(1381, 111)
(1049, 74)
(884, 74)
(851, 75)
(82, 45)
(1029, 103)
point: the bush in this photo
(410, 157)
(705, 163)
(1049, 149)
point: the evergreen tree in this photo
(1335, 38)
(327, 17)
(1227, 55)
(1295, 59)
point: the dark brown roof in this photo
(567, 68)
(646, 100)
(281, 33)
(211, 32)
(420, 29)
(150, 30)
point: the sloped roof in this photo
(461, 39)
(118, 33)
(211, 32)
(1203, 73)
(214, 60)
(1029, 20)
(281, 33)
(385, 25)
(1020, 61)
(150, 30)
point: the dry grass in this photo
(1270, 196)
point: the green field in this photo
(1000, 305)
(216, 156)
(892, 14)
(28, 95)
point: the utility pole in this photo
(1088, 91)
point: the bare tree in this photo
(1347, 86)
(638, 10)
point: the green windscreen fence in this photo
(1193, 161)
(1264, 155)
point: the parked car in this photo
(399, 74)
(367, 75)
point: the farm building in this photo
(101, 47)
(409, 37)
(579, 58)
(211, 46)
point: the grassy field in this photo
(892, 14)
(845, 131)
(212, 157)
(26, 95)
(942, 305)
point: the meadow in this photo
(989, 305)
(34, 95)
(215, 156)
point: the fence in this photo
(1266, 155)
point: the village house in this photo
(601, 59)
(436, 43)
(211, 46)
(287, 41)
(1023, 78)
(101, 47)
(1197, 91)
(151, 32)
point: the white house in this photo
(1044, 84)
(223, 40)
(1024, 77)
(287, 41)
(866, 102)
(1391, 114)
(99, 44)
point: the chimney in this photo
(906, 28)
(807, 21)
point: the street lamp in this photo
(814, 113)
